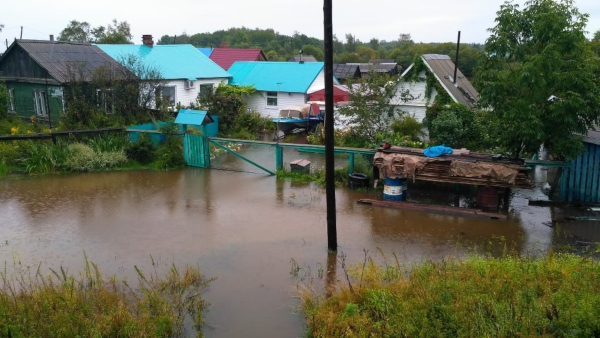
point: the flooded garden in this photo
(258, 236)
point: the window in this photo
(104, 100)
(205, 90)
(271, 98)
(11, 100)
(39, 103)
(166, 94)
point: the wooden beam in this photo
(438, 209)
(242, 157)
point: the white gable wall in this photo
(319, 82)
(418, 104)
(185, 97)
(258, 102)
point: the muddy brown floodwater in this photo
(244, 229)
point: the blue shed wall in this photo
(581, 182)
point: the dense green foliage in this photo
(235, 120)
(3, 100)
(554, 296)
(459, 126)
(540, 77)
(117, 33)
(63, 305)
(280, 47)
(372, 110)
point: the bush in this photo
(170, 154)
(83, 158)
(44, 157)
(408, 126)
(446, 129)
(140, 151)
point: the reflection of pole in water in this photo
(330, 279)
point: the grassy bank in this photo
(62, 305)
(555, 296)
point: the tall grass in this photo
(44, 157)
(555, 296)
(62, 305)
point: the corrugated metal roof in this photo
(206, 51)
(293, 77)
(60, 58)
(344, 71)
(175, 62)
(443, 67)
(225, 57)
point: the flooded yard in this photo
(246, 229)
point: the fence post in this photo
(350, 163)
(278, 157)
(206, 151)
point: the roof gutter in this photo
(439, 80)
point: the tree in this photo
(115, 33)
(314, 51)
(227, 102)
(372, 108)
(539, 76)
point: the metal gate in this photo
(195, 150)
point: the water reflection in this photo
(241, 228)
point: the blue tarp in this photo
(436, 151)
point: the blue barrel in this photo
(392, 189)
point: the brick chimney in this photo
(147, 40)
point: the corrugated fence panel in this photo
(581, 182)
(193, 150)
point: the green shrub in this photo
(44, 157)
(446, 129)
(170, 154)
(408, 126)
(3, 167)
(10, 152)
(83, 158)
(140, 151)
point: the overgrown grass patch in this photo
(554, 296)
(63, 305)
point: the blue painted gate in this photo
(581, 182)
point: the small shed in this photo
(581, 181)
(209, 124)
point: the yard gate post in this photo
(278, 157)
(350, 163)
(206, 151)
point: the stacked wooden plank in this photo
(437, 169)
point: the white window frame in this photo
(172, 103)
(11, 100)
(272, 96)
(39, 103)
(101, 101)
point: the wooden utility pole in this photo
(456, 60)
(329, 151)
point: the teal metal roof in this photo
(193, 117)
(174, 61)
(293, 77)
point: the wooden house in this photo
(188, 72)
(345, 73)
(36, 73)
(279, 84)
(441, 68)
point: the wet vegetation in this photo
(553, 296)
(62, 305)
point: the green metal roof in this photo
(173, 61)
(292, 77)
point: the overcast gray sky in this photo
(425, 20)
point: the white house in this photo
(187, 71)
(279, 84)
(442, 68)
